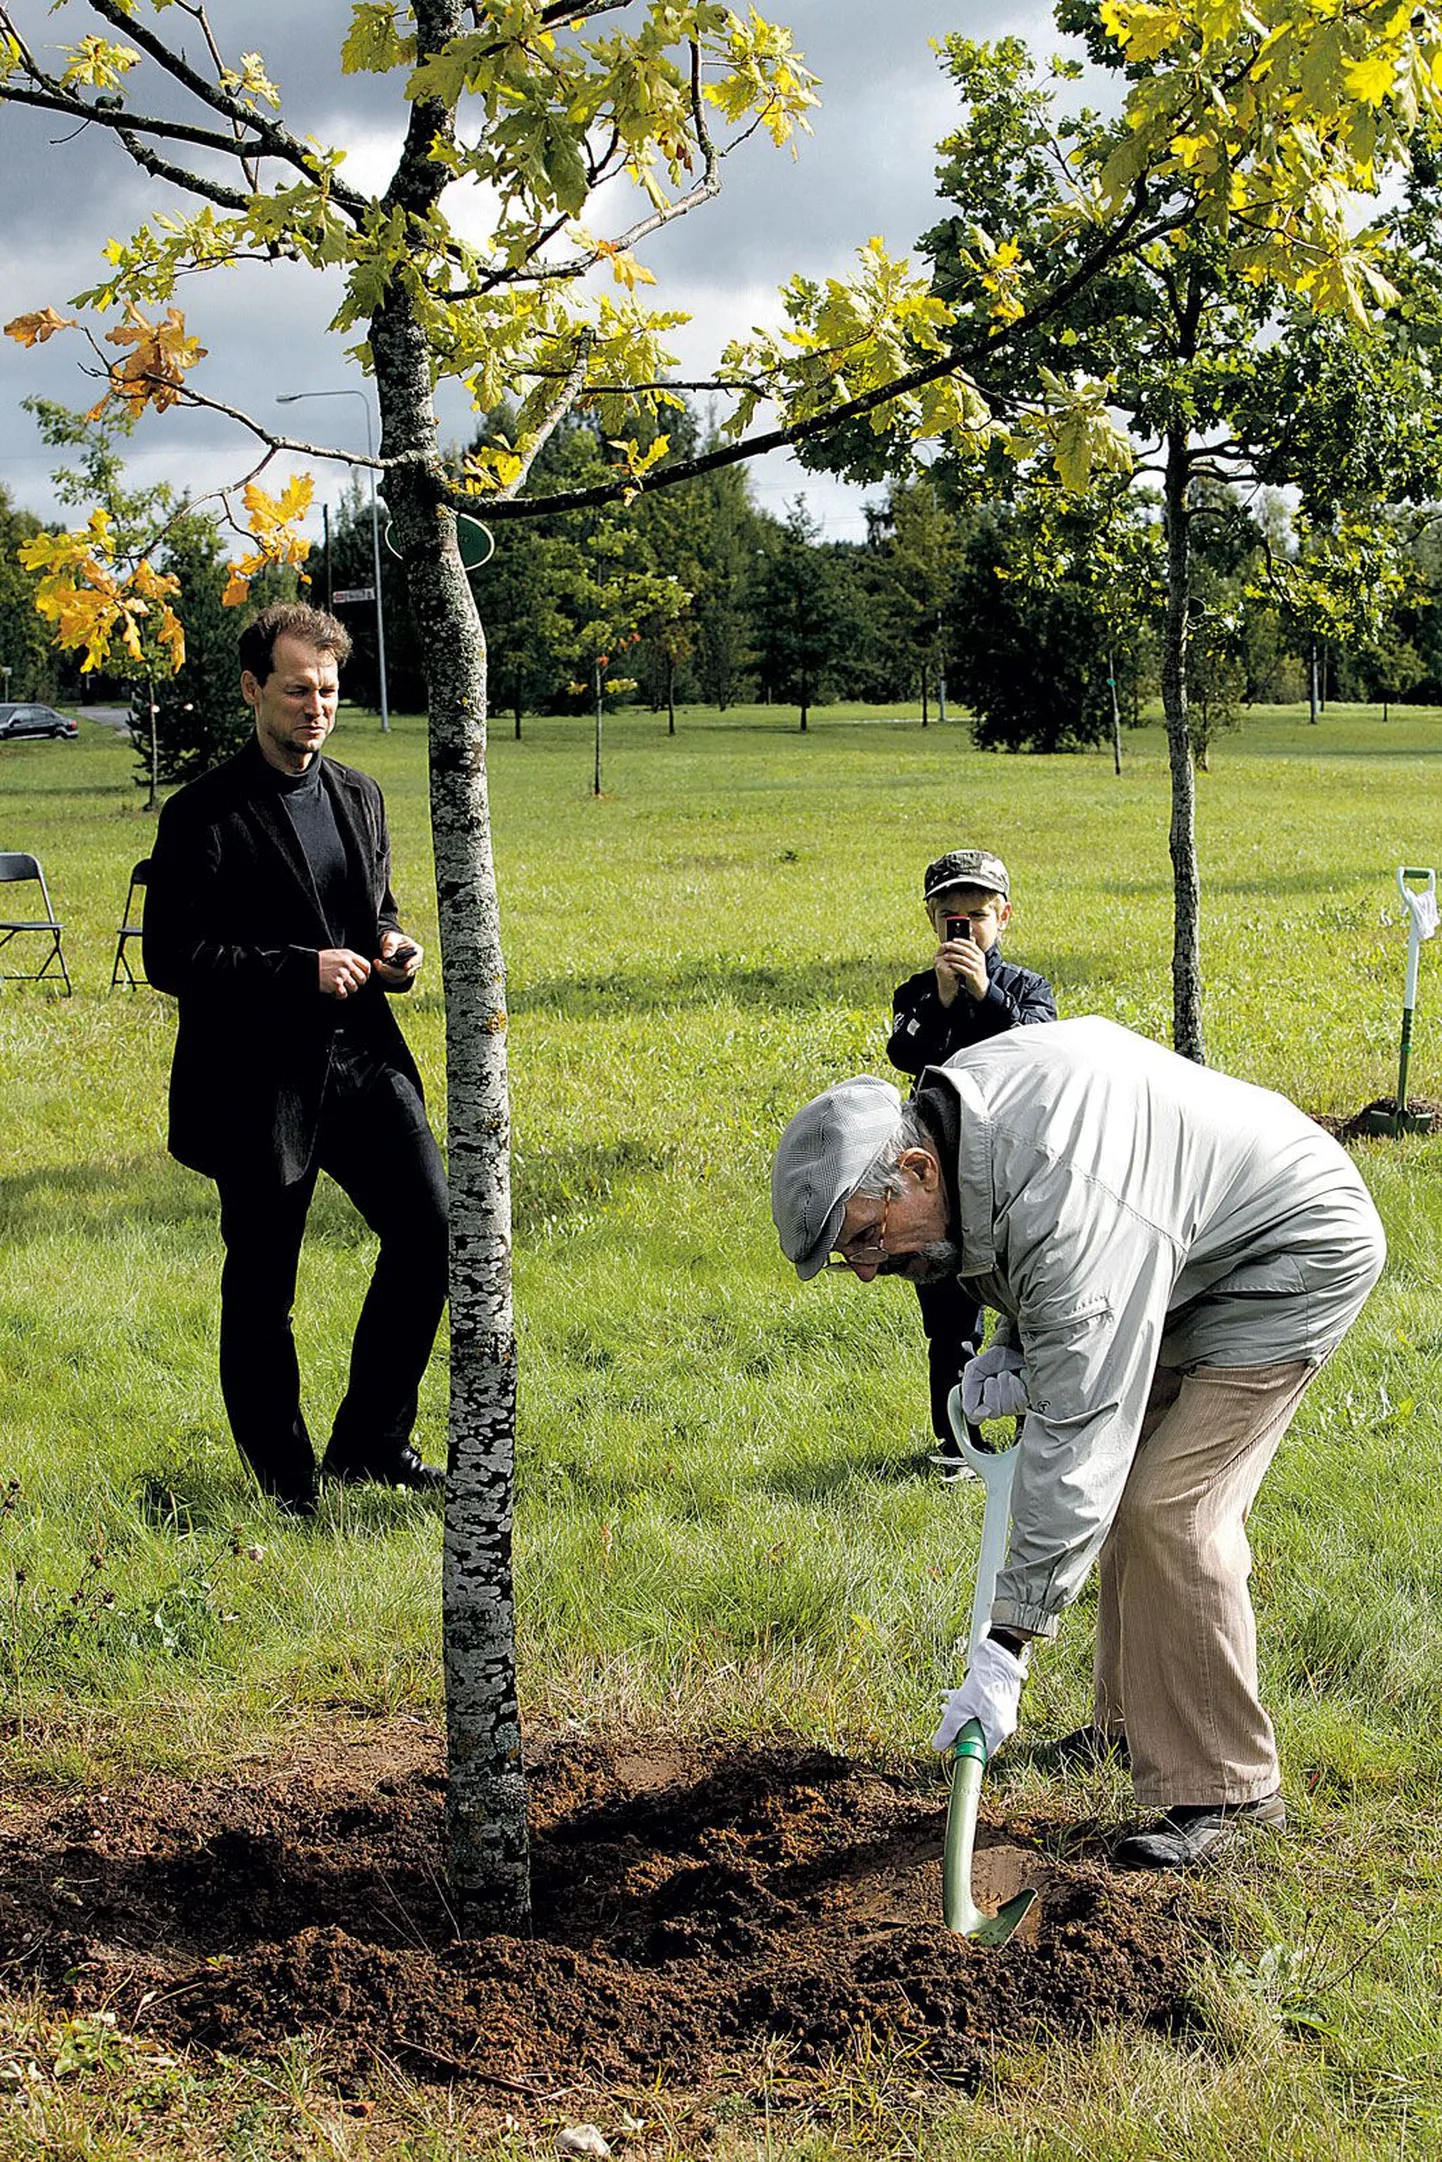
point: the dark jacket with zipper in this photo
(926, 1033)
(233, 928)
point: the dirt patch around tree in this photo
(697, 1910)
(1360, 1126)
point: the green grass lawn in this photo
(719, 1524)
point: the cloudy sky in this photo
(867, 168)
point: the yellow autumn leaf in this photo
(154, 373)
(624, 267)
(170, 633)
(269, 514)
(1370, 79)
(1144, 32)
(35, 329)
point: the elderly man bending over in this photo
(1173, 1254)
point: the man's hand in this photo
(342, 972)
(960, 966)
(400, 960)
(994, 1385)
(990, 1694)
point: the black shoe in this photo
(290, 1500)
(406, 1470)
(1194, 1835)
(1086, 1750)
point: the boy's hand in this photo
(960, 965)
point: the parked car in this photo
(23, 720)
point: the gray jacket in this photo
(1126, 1208)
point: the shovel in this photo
(1421, 911)
(959, 1911)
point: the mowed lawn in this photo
(722, 1522)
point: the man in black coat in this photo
(269, 915)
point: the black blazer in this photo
(232, 927)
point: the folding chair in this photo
(128, 930)
(16, 869)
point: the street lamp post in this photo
(293, 397)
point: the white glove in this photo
(994, 1385)
(991, 1693)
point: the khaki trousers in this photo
(1176, 1657)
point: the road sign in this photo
(475, 542)
(353, 593)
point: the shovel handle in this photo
(968, 1762)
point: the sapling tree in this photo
(1056, 595)
(533, 108)
(921, 570)
(120, 573)
(1241, 341)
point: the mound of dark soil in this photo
(693, 1906)
(1358, 1126)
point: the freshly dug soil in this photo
(1356, 1128)
(692, 1906)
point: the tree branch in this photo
(563, 14)
(214, 191)
(118, 120)
(173, 64)
(198, 401)
(275, 141)
(966, 362)
(565, 399)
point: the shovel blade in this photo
(994, 1929)
(960, 1912)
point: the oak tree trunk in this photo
(1186, 883)
(488, 1860)
(596, 778)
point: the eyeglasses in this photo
(868, 1244)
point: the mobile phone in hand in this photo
(401, 956)
(958, 927)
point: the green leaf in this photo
(374, 43)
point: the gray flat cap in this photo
(824, 1152)
(966, 867)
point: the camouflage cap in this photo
(966, 867)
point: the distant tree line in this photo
(1037, 619)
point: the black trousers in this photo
(953, 1323)
(375, 1142)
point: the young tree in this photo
(1209, 340)
(136, 524)
(538, 104)
(921, 564)
(801, 615)
(199, 715)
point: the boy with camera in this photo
(967, 994)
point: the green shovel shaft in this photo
(958, 1910)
